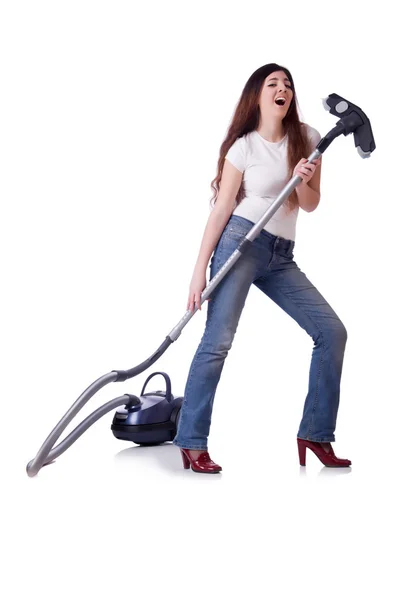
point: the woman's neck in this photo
(273, 131)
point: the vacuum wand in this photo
(353, 120)
(251, 235)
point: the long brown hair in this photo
(246, 119)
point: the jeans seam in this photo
(217, 267)
(186, 447)
(311, 439)
(271, 258)
(190, 377)
(317, 383)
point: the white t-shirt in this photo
(265, 168)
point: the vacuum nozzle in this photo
(353, 120)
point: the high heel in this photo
(327, 458)
(186, 461)
(202, 464)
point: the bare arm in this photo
(309, 193)
(228, 188)
(220, 214)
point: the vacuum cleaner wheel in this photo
(177, 417)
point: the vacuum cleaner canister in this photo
(150, 419)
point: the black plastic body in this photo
(151, 420)
(354, 120)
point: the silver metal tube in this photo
(251, 235)
(293, 182)
(175, 333)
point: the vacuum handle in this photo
(352, 120)
(168, 394)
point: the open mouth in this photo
(280, 101)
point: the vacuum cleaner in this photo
(152, 417)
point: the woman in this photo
(262, 150)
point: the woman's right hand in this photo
(197, 285)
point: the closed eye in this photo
(288, 86)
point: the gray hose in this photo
(84, 425)
(47, 452)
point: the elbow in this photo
(312, 205)
(316, 203)
(311, 208)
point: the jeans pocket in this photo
(235, 233)
(287, 255)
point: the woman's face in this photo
(276, 85)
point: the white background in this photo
(112, 116)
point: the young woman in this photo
(262, 150)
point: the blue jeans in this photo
(269, 265)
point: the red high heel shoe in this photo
(327, 458)
(202, 464)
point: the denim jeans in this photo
(268, 264)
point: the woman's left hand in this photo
(306, 171)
